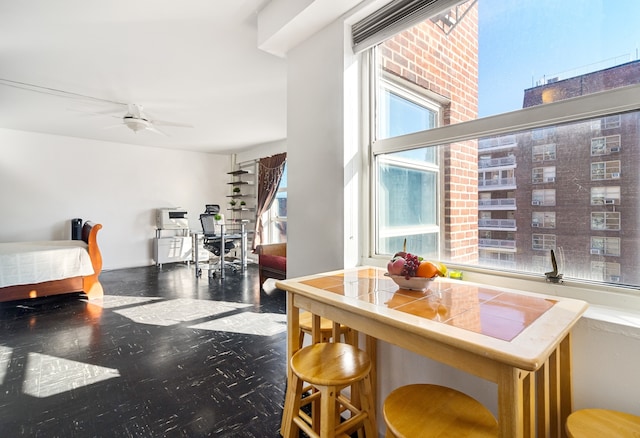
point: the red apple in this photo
(395, 265)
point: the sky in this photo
(523, 41)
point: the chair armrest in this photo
(278, 249)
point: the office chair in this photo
(212, 224)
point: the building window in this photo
(606, 123)
(543, 152)
(605, 271)
(605, 170)
(543, 175)
(605, 220)
(543, 219)
(605, 145)
(609, 195)
(609, 246)
(543, 241)
(545, 197)
(543, 133)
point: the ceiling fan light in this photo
(136, 124)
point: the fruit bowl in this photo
(412, 283)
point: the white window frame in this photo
(603, 170)
(271, 217)
(602, 245)
(605, 145)
(410, 92)
(609, 220)
(543, 219)
(608, 103)
(541, 175)
(543, 152)
(543, 242)
(605, 195)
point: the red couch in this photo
(272, 261)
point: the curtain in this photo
(269, 174)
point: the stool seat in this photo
(347, 365)
(602, 423)
(436, 411)
(329, 368)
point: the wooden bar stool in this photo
(329, 367)
(597, 423)
(424, 410)
(326, 328)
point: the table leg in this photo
(372, 350)
(511, 402)
(293, 345)
(565, 383)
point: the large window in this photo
(275, 219)
(559, 151)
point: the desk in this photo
(240, 235)
(518, 340)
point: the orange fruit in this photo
(427, 269)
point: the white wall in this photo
(315, 136)
(47, 180)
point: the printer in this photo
(171, 219)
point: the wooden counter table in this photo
(520, 341)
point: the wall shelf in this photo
(242, 184)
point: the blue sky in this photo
(522, 41)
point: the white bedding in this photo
(35, 262)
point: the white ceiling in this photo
(193, 62)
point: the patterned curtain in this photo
(269, 174)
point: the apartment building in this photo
(569, 187)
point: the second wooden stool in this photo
(329, 367)
(427, 411)
(596, 423)
(326, 328)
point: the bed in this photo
(45, 268)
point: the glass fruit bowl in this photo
(412, 283)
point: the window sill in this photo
(608, 304)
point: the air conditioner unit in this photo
(610, 201)
(596, 251)
(616, 149)
(535, 225)
(550, 179)
(614, 278)
(615, 175)
(535, 202)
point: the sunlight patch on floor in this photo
(170, 312)
(249, 323)
(49, 375)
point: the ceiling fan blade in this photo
(113, 126)
(175, 124)
(156, 130)
(136, 111)
(54, 91)
(109, 113)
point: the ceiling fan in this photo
(135, 118)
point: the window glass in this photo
(399, 114)
(275, 219)
(502, 191)
(407, 201)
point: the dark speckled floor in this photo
(164, 355)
